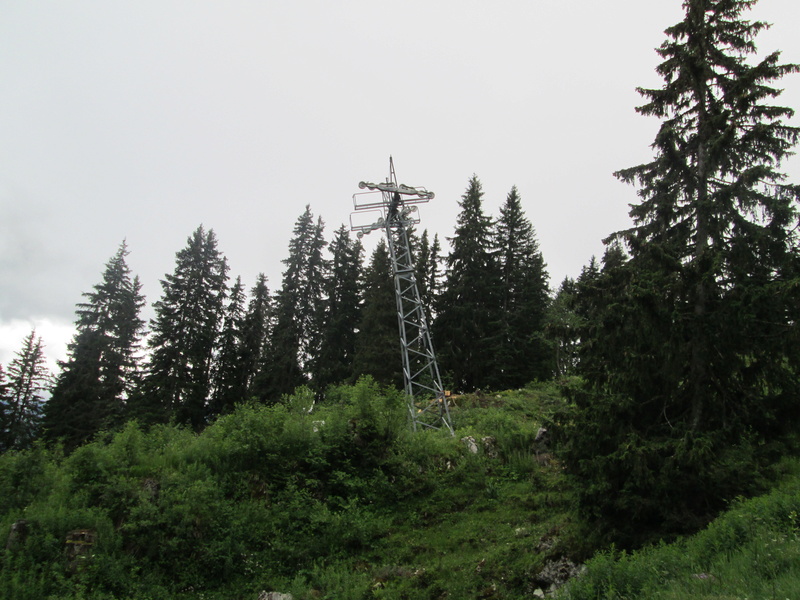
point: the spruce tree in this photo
(523, 354)
(342, 312)
(28, 381)
(601, 293)
(428, 258)
(5, 411)
(692, 366)
(378, 342)
(313, 300)
(299, 309)
(230, 374)
(562, 329)
(466, 327)
(256, 331)
(715, 215)
(184, 337)
(101, 370)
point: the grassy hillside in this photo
(750, 552)
(341, 501)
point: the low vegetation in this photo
(341, 500)
(752, 551)
(336, 501)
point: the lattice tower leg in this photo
(427, 404)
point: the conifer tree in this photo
(692, 367)
(466, 328)
(428, 271)
(342, 312)
(523, 354)
(256, 331)
(600, 294)
(101, 370)
(185, 331)
(296, 334)
(230, 375)
(378, 342)
(5, 410)
(434, 284)
(28, 381)
(562, 328)
(313, 299)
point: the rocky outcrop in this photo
(554, 574)
(274, 596)
(17, 534)
(470, 443)
(79, 548)
(488, 443)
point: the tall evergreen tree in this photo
(101, 370)
(428, 258)
(230, 374)
(466, 328)
(313, 300)
(704, 372)
(28, 381)
(185, 331)
(5, 411)
(562, 329)
(378, 343)
(523, 354)
(334, 364)
(256, 332)
(299, 309)
(599, 298)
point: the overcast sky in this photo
(141, 120)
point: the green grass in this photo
(750, 552)
(347, 503)
(342, 503)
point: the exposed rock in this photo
(470, 443)
(488, 443)
(546, 544)
(548, 541)
(17, 534)
(490, 446)
(389, 572)
(274, 596)
(151, 488)
(557, 572)
(542, 437)
(522, 532)
(79, 548)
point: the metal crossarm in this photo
(395, 212)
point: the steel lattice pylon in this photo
(396, 211)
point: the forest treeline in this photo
(683, 337)
(213, 343)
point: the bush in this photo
(639, 481)
(753, 550)
(321, 499)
